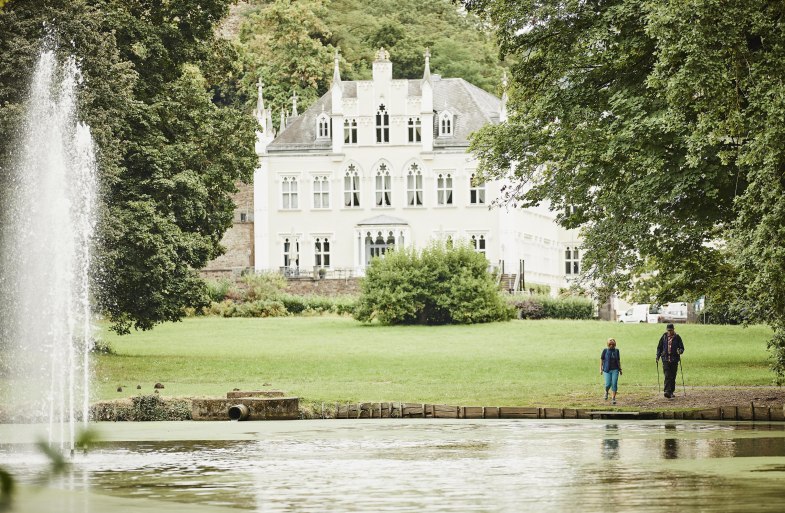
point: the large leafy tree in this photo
(291, 44)
(657, 128)
(168, 155)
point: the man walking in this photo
(669, 349)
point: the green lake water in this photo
(410, 465)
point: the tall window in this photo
(445, 124)
(351, 187)
(414, 186)
(323, 126)
(289, 193)
(382, 125)
(291, 253)
(476, 192)
(444, 189)
(350, 131)
(572, 263)
(383, 186)
(478, 243)
(322, 251)
(321, 192)
(415, 130)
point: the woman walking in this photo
(610, 367)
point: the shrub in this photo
(261, 308)
(438, 285)
(546, 307)
(218, 289)
(266, 285)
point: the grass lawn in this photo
(549, 362)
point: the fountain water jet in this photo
(45, 251)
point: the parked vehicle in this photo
(641, 313)
(674, 313)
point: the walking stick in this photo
(657, 363)
(681, 367)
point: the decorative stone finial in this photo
(382, 55)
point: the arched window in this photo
(323, 126)
(476, 191)
(445, 124)
(382, 125)
(350, 131)
(415, 130)
(351, 187)
(291, 255)
(321, 192)
(444, 189)
(322, 251)
(289, 193)
(572, 262)
(383, 186)
(478, 243)
(414, 186)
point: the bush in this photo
(266, 285)
(546, 307)
(218, 289)
(261, 308)
(438, 285)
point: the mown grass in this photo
(329, 359)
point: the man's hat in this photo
(669, 327)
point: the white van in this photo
(641, 313)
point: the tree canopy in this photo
(169, 155)
(657, 128)
(291, 44)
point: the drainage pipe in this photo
(239, 412)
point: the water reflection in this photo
(610, 444)
(449, 466)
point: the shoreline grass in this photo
(330, 359)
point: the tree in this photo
(438, 285)
(168, 156)
(661, 122)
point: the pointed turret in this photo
(426, 74)
(336, 69)
(259, 113)
(283, 121)
(503, 106)
(294, 105)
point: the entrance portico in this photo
(376, 236)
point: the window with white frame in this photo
(321, 251)
(350, 131)
(323, 126)
(289, 193)
(415, 130)
(444, 189)
(382, 125)
(572, 262)
(351, 187)
(291, 253)
(478, 243)
(445, 124)
(383, 186)
(321, 192)
(414, 186)
(476, 191)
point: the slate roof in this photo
(471, 106)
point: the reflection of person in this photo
(670, 444)
(610, 444)
(610, 367)
(669, 349)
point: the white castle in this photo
(383, 163)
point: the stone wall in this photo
(326, 287)
(238, 240)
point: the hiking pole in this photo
(681, 367)
(657, 363)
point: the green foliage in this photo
(142, 408)
(661, 122)
(169, 157)
(7, 488)
(547, 307)
(291, 44)
(265, 285)
(218, 289)
(438, 285)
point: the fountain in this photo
(48, 219)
